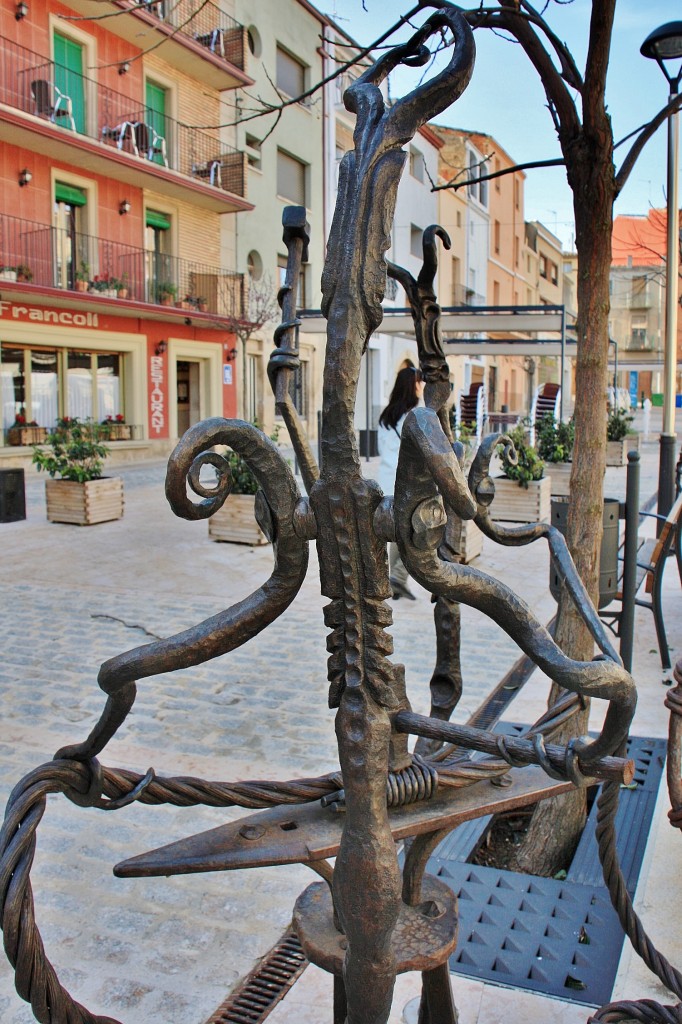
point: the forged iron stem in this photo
(522, 751)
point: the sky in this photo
(505, 97)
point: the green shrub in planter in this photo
(555, 440)
(72, 451)
(529, 466)
(618, 425)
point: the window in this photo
(416, 164)
(291, 174)
(254, 265)
(28, 385)
(497, 171)
(68, 79)
(496, 293)
(69, 220)
(496, 236)
(517, 251)
(638, 337)
(543, 266)
(553, 272)
(290, 74)
(251, 396)
(416, 243)
(161, 273)
(254, 41)
(477, 189)
(282, 279)
(459, 218)
(517, 193)
(299, 389)
(253, 152)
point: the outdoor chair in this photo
(210, 170)
(50, 102)
(471, 408)
(149, 142)
(546, 400)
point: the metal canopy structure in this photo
(455, 319)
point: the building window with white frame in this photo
(416, 164)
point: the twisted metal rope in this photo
(644, 1010)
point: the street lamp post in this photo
(664, 44)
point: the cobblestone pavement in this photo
(167, 950)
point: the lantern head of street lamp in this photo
(663, 44)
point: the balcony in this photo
(59, 113)
(198, 39)
(43, 257)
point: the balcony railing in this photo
(51, 257)
(81, 105)
(203, 22)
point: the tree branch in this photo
(558, 162)
(642, 139)
(601, 31)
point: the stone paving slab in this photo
(167, 950)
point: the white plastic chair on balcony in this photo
(149, 142)
(51, 102)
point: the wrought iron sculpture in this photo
(364, 921)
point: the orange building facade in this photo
(113, 300)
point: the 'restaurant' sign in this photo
(38, 315)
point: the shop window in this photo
(290, 74)
(44, 383)
(79, 385)
(12, 384)
(291, 175)
(108, 386)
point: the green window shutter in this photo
(71, 194)
(68, 78)
(154, 219)
(155, 100)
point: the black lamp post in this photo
(665, 44)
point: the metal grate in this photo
(561, 938)
(265, 986)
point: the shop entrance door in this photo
(189, 394)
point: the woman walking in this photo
(407, 390)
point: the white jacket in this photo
(389, 446)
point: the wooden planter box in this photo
(235, 522)
(95, 501)
(514, 504)
(559, 474)
(617, 451)
(468, 541)
(117, 431)
(26, 435)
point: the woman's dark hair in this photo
(403, 397)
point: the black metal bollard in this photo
(627, 615)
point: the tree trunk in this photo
(557, 824)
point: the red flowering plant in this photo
(118, 418)
(21, 421)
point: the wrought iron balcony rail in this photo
(203, 22)
(81, 105)
(51, 257)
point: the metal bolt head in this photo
(252, 832)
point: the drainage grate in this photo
(265, 986)
(561, 938)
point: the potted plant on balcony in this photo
(123, 291)
(620, 439)
(166, 292)
(236, 522)
(555, 447)
(106, 285)
(24, 432)
(24, 273)
(83, 277)
(522, 494)
(115, 428)
(8, 273)
(77, 492)
(202, 304)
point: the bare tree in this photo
(261, 308)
